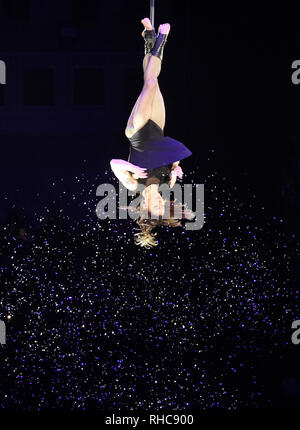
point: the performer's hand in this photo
(188, 214)
(129, 167)
(178, 172)
(138, 172)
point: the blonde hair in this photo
(145, 236)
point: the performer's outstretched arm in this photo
(123, 171)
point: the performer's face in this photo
(153, 201)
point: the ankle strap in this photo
(158, 48)
(150, 39)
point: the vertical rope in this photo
(152, 10)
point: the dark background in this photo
(74, 71)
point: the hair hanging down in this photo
(145, 237)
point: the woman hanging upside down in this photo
(154, 158)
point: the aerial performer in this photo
(153, 158)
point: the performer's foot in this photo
(164, 28)
(158, 49)
(147, 24)
(148, 35)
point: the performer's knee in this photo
(151, 83)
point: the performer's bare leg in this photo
(158, 114)
(150, 104)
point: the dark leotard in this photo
(159, 175)
(149, 148)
